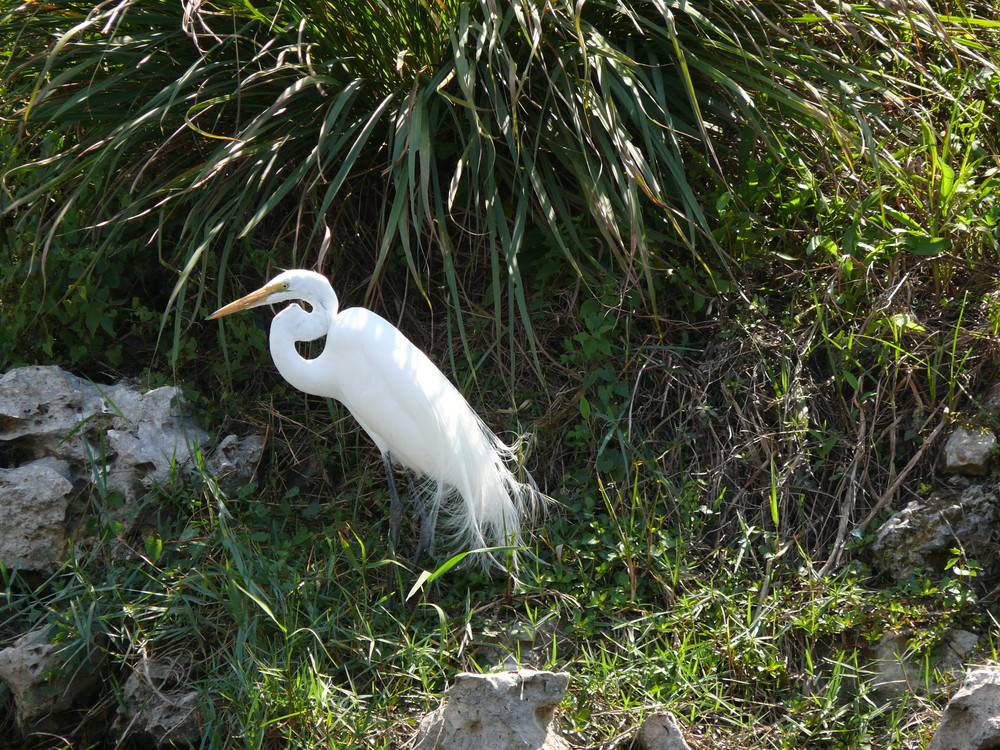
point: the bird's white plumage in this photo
(411, 411)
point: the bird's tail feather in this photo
(482, 504)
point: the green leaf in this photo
(154, 548)
(925, 246)
(947, 182)
(904, 322)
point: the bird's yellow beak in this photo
(251, 300)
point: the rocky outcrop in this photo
(922, 535)
(971, 720)
(661, 731)
(34, 507)
(234, 461)
(67, 446)
(156, 707)
(501, 711)
(117, 437)
(63, 439)
(42, 684)
(967, 451)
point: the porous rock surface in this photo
(34, 502)
(62, 437)
(234, 461)
(33, 670)
(922, 535)
(115, 435)
(44, 407)
(971, 720)
(968, 451)
(501, 711)
(661, 731)
(156, 706)
(64, 443)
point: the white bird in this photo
(411, 411)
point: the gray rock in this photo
(967, 451)
(116, 429)
(898, 671)
(50, 412)
(114, 438)
(971, 720)
(661, 731)
(923, 533)
(156, 705)
(234, 461)
(34, 672)
(501, 711)
(893, 666)
(150, 439)
(34, 500)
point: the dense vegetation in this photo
(733, 266)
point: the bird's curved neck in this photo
(295, 324)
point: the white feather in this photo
(407, 406)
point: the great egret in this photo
(411, 411)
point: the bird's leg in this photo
(396, 505)
(428, 525)
(394, 575)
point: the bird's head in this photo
(288, 285)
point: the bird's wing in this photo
(394, 391)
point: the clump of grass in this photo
(431, 133)
(296, 632)
(719, 471)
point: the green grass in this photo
(720, 459)
(447, 138)
(296, 631)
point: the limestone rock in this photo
(34, 672)
(501, 711)
(971, 720)
(967, 451)
(234, 461)
(923, 533)
(59, 433)
(149, 438)
(661, 731)
(50, 412)
(117, 430)
(899, 672)
(156, 705)
(34, 499)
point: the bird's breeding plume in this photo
(412, 412)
